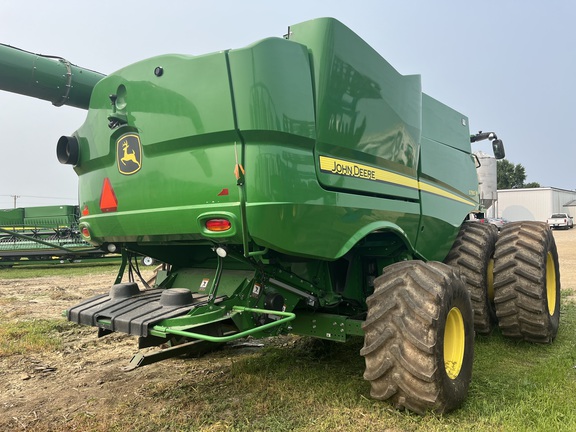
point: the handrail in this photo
(288, 316)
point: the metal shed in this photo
(535, 204)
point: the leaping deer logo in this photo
(129, 154)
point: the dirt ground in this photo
(45, 391)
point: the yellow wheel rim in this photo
(550, 284)
(454, 343)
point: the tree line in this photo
(511, 176)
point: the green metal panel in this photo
(200, 279)
(326, 326)
(367, 112)
(51, 216)
(328, 230)
(49, 211)
(184, 120)
(273, 91)
(448, 179)
(12, 216)
(286, 206)
(443, 124)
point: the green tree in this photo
(532, 185)
(510, 176)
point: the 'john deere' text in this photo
(353, 171)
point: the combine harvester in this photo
(298, 185)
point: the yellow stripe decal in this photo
(366, 172)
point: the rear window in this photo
(558, 215)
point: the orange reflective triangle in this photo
(108, 201)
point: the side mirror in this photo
(498, 148)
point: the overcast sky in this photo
(510, 66)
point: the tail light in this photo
(85, 232)
(218, 225)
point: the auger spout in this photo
(46, 77)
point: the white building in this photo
(533, 204)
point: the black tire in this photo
(527, 282)
(473, 254)
(419, 337)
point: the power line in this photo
(39, 197)
(15, 198)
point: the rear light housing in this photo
(218, 224)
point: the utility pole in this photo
(15, 197)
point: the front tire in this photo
(527, 282)
(419, 337)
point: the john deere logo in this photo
(129, 153)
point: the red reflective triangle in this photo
(108, 201)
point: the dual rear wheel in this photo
(473, 254)
(527, 282)
(513, 278)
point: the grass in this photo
(68, 269)
(526, 387)
(26, 337)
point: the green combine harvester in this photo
(298, 185)
(44, 233)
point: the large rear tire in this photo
(419, 337)
(473, 254)
(527, 282)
